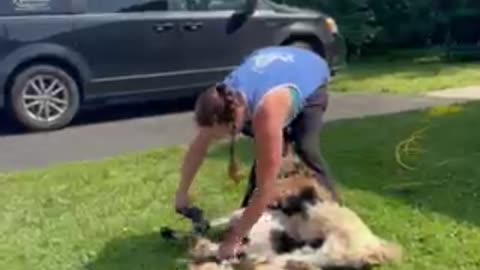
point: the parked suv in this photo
(58, 55)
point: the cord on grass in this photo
(408, 146)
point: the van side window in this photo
(213, 5)
(30, 7)
(109, 6)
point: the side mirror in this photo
(239, 17)
(250, 6)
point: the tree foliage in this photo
(378, 24)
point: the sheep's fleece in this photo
(346, 242)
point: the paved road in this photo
(102, 133)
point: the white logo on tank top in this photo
(262, 61)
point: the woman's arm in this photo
(268, 128)
(192, 161)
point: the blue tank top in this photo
(264, 70)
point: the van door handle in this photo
(193, 26)
(162, 27)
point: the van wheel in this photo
(44, 97)
(317, 48)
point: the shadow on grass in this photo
(361, 155)
(144, 252)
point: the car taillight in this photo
(331, 25)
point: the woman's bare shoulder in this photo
(275, 107)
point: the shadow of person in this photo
(145, 252)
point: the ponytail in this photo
(228, 116)
(233, 168)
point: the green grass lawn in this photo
(107, 215)
(406, 72)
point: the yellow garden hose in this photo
(406, 147)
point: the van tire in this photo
(33, 84)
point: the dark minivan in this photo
(58, 55)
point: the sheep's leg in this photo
(305, 256)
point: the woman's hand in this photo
(231, 244)
(229, 249)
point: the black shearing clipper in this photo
(200, 225)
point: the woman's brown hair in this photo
(217, 106)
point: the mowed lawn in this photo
(107, 215)
(407, 72)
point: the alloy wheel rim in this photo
(45, 98)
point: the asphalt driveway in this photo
(102, 133)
